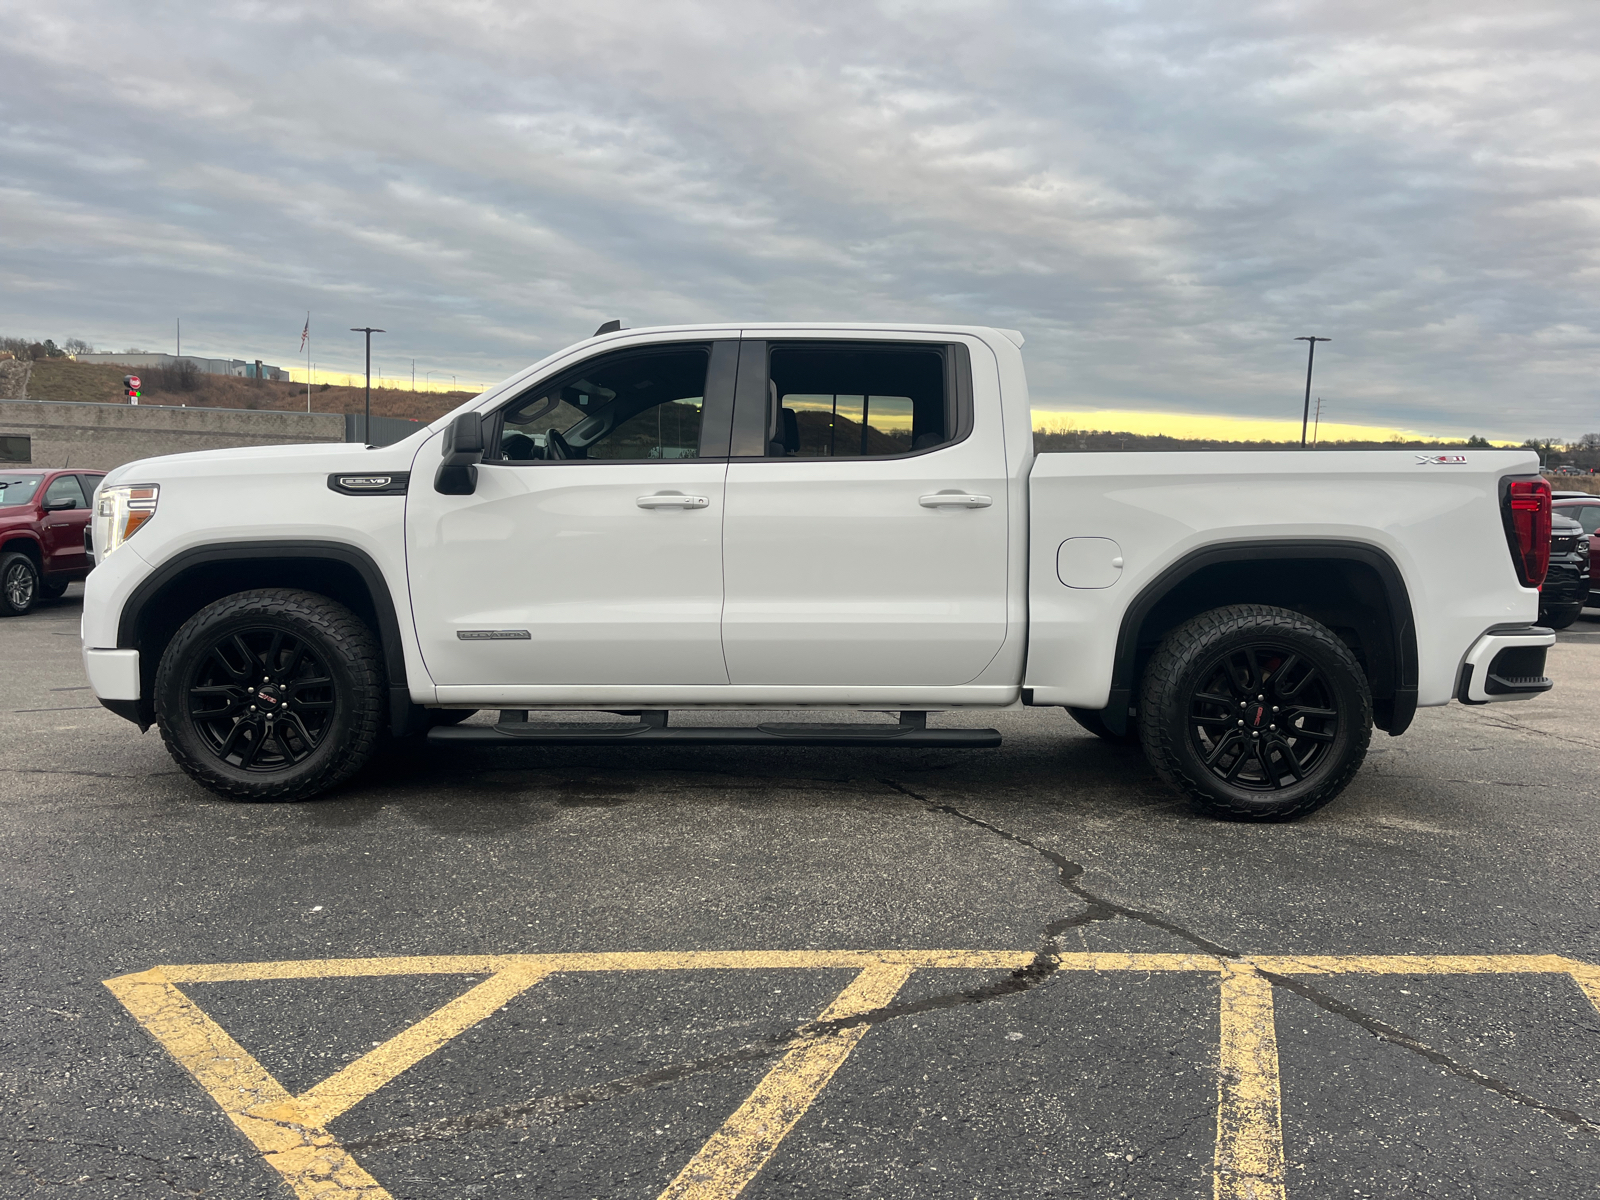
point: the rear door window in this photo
(854, 401)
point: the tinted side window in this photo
(854, 402)
(629, 406)
(1588, 514)
(65, 487)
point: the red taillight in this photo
(1527, 516)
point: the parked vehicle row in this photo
(1566, 583)
(44, 516)
(1584, 508)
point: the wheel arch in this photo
(1352, 587)
(25, 543)
(194, 578)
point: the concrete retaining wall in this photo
(102, 436)
(14, 374)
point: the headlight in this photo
(120, 513)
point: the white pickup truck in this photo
(782, 517)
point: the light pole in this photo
(1316, 427)
(366, 428)
(1311, 355)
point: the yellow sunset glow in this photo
(1233, 429)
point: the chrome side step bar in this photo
(514, 729)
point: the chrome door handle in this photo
(672, 500)
(954, 500)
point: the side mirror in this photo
(58, 505)
(463, 450)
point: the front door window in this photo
(636, 406)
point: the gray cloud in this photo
(1161, 195)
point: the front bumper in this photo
(1506, 664)
(1566, 582)
(113, 674)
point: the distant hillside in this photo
(94, 383)
(1093, 440)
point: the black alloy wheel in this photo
(19, 584)
(1262, 716)
(275, 694)
(261, 699)
(1256, 713)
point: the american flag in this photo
(306, 332)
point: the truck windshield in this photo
(18, 489)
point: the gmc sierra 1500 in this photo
(805, 516)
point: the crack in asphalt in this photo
(1044, 965)
(1101, 909)
(1497, 721)
(160, 1164)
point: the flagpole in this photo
(308, 362)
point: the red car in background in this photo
(1585, 510)
(43, 515)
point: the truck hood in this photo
(250, 460)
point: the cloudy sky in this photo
(1160, 195)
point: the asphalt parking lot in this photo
(699, 973)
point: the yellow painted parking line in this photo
(293, 1143)
(679, 960)
(737, 1152)
(1249, 1157)
(1587, 978)
(344, 1090)
(291, 1131)
(1417, 964)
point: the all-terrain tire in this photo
(20, 584)
(1256, 713)
(1092, 720)
(273, 694)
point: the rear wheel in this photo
(271, 695)
(19, 584)
(1256, 713)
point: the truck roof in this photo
(1011, 335)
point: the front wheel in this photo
(1560, 616)
(1256, 713)
(273, 694)
(19, 584)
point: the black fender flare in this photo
(1403, 630)
(404, 717)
